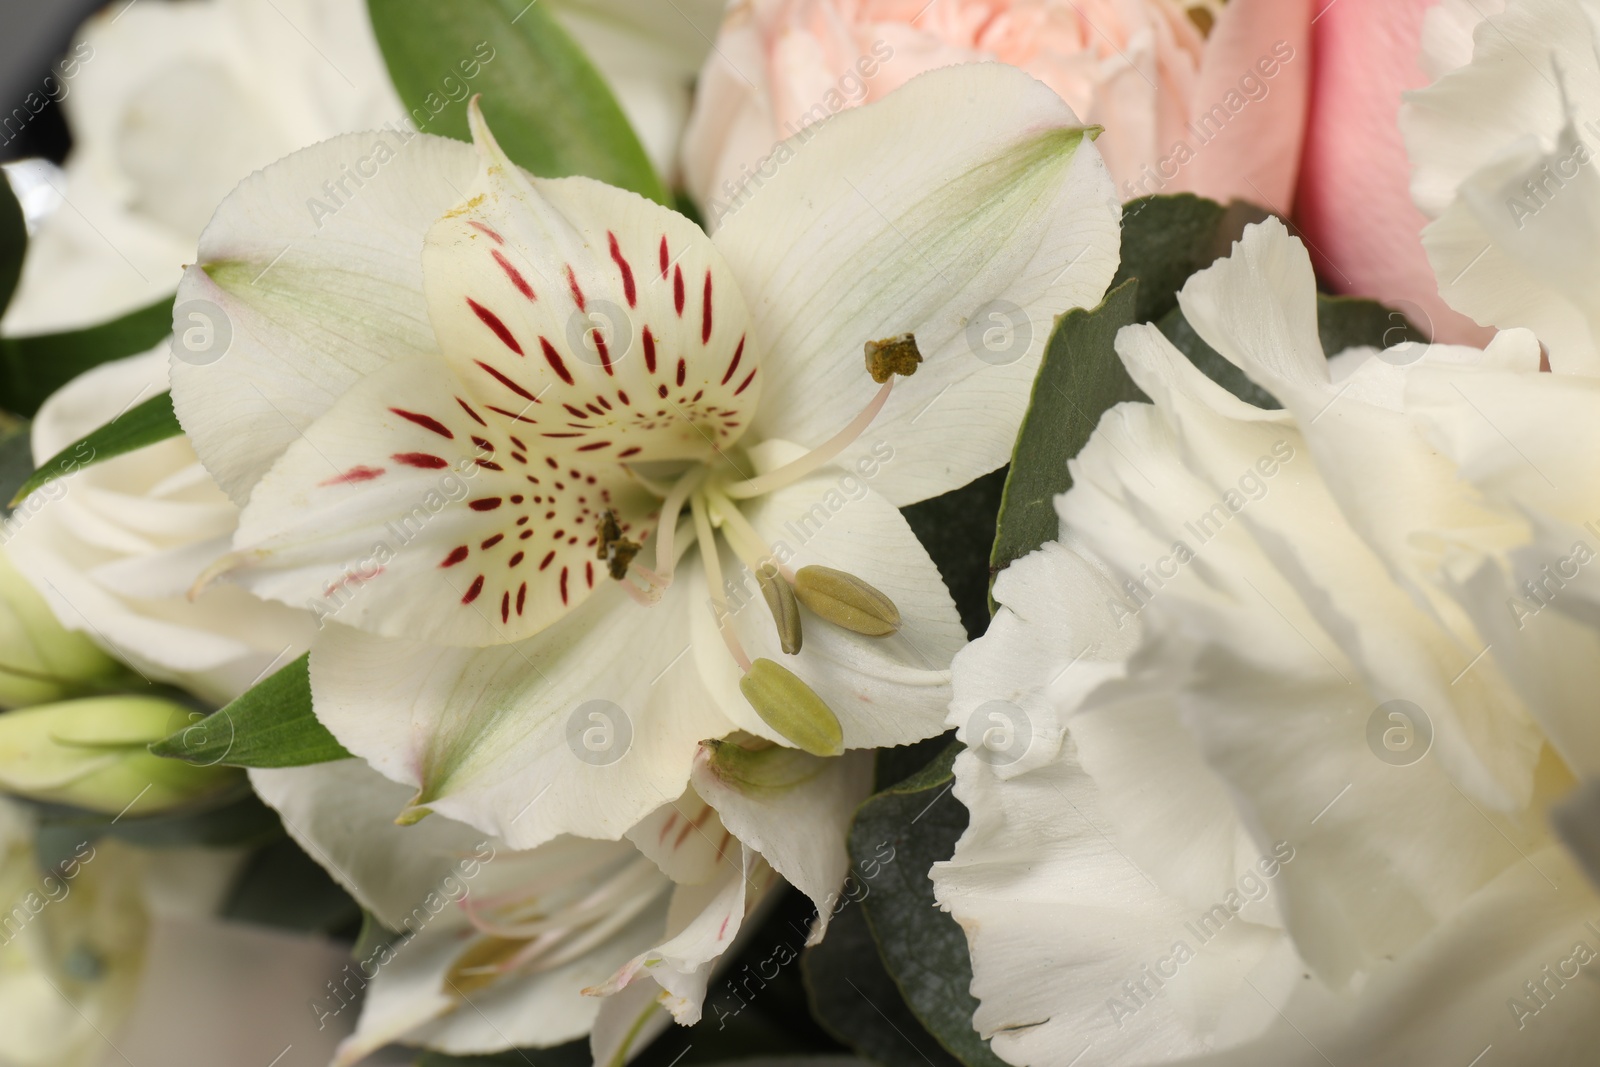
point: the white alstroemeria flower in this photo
(431, 437)
(1504, 151)
(504, 948)
(114, 547)
(1252, 782)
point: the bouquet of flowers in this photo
(956, 532)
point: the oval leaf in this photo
(551, 111)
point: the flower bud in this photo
(792, 708)
(41, 660)
(93, 754)
(845, 600)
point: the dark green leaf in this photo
(1352, 322)
(1164, 240)
(237, 819)
(270, 725)
(1078, 380)
(572, 1054)
(923, 948)
(141, 425)
(855, 999)
(958, 529)
(13, 242)
(283, 887)
(549, 108)
(16, 460)
(33, 367)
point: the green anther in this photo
(792, 708)
(784, 607)
(845, 600)
(891, 356)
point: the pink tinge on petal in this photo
(1354, 203)
(1250, 103)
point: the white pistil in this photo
(667, 525)
(821, 456)
(713, 564)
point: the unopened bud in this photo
(94, 754)
(41, 660)
(785, 609)
(845, 600)
(792, 708)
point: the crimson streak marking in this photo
(552, 357)
(514, 274)
(427, 422)
(473, 590)
(733, 365)
(359, 474)
(705, 314)
(456, 555)
(491, 320)
(421, 459)
(505, 381)
(628, 289)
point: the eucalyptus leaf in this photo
(923, 948)
(549, 108)
(13, 243)
(269, 725)
(32, 367)
(1079, 379)
(1164, 240)
(141, 425)
(857, 1002)
(958, 529)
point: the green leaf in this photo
(236, 819)
(16, 460)
(270, 725)
(1351, 322)
(857, 1002)
(1164, 240)
(141, 425)
(1079, 378)
(958, 529)
(549, 108)
(923, 948)
(13, 242)
(33, 367)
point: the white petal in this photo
(309, 291)
(342, 814)
(603, 325)
(685, 838)
(885, 690)
(702, 923)
(585, 729)
(791, 807)
(964, 208)
(405, 512)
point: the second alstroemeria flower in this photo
(466, 408)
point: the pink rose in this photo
(1219, 114)
(1354, 204)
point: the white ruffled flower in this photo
(503, 948)
(1259, 774)
(114, 547)
(436, 446)
(1504, 151)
